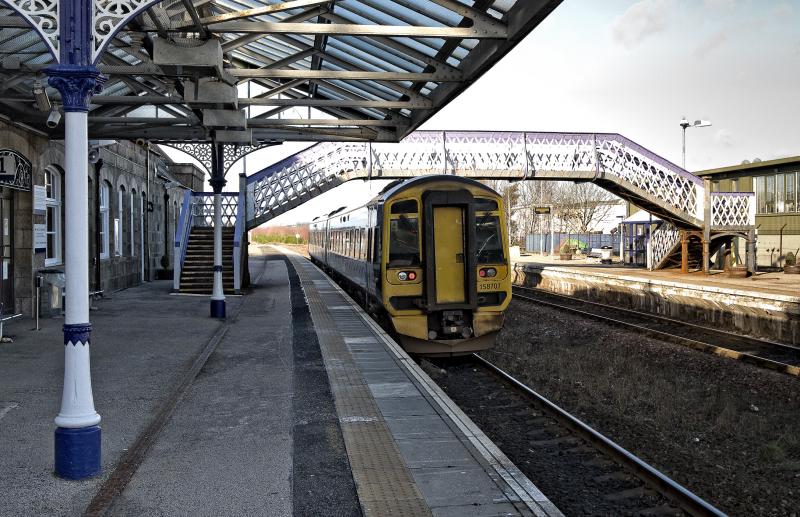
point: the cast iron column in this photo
(77, 435)
(217, 181)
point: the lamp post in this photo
(685, 124)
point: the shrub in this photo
(565, 249)
(261, 238)
(790, 260)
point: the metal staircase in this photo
(194, 244)
(197, 275)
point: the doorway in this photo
(7, 250)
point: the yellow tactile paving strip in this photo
(383, 482)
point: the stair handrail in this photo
(237, 241)
(181, 238)
(730, 210)
(664, 240)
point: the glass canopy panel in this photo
(362, 69)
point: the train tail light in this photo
(487, 272)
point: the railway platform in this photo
(296, 404)
(766, 305)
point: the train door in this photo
(450, 274)
(7, 250)
(448, 254)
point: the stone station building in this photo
(135, 195)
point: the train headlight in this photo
(406, 275)
(487, 272)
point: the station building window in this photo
(133, 222)
(118, 226)
(52, 183)
(777, 193)
(105, 191)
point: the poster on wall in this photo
(39, 238)
(39, 196)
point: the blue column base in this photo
(218, 308)
(77, 452)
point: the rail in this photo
(779, 357)
(687, 500)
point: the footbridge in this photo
(609, 160)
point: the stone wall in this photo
(124, 169)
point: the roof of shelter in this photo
(751, 167)
(641, 217)
(265, 70)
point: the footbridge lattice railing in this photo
(611, 160)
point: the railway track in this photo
(766, 354)
(581, 470)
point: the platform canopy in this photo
(247, 71)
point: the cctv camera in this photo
(94, 155)
(53, 119)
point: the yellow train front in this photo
(430, 254)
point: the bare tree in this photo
(582, 206)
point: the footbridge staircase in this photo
(609, 160)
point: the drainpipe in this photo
(97, 241)
(780, 245)
(147, 216)
(166, 226)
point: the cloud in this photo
(724, 138)
(712, 42)
(719, 4)
(783, 10)
(640, 21)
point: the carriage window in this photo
(409, 206)
(403, 242)
(485, 205)
(489, 239)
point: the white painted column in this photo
(217, 294)
(77, 403)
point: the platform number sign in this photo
(15, 170)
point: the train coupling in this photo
(452, 325)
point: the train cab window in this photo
(403, 241)
(489, 239)
(485, 205)
(407, 206)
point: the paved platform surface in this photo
(766, 283)
(300, 406)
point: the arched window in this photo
(52, 184)
(118, 222)
(133, 223)
(105, 192)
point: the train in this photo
(429, 255)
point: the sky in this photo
(635, 68)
